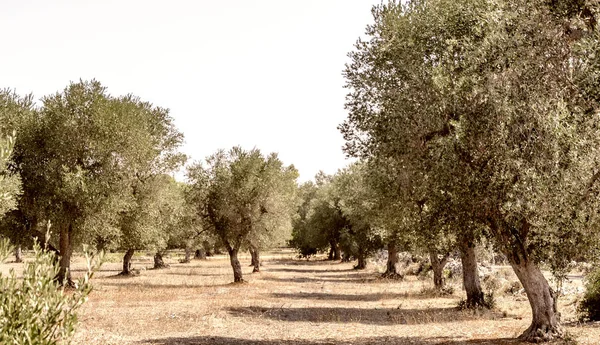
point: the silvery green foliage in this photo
(243, 196)
(490, 108)
(34, 309)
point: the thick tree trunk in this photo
(64, 273)
(255, 254)
(127, 262)
(18, 254)
(237, 267)
(545, 324)
(200, 255)
(471, 275)
(330, 255)
(159, 262)
(437, 265)
(392, 260)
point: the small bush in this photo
(35, 309)
(589, 307)
(491, 282)
(489, 300)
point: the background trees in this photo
(239, 194)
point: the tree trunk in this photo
(437, 265)
(392, 260)
(330, 255)
(64, 273)
(362, 260)
(337, 251)
(188, 255)
(127, 262)
(255, 254)
(545, 325)
(159, 262)
(18, 254)
(235, 264)
(200, 255)
(346, 257)
(471, 275)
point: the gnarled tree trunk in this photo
(471, 274)
(545, 324)
(159, 262)
(392, 260)
(235, 264)
(255, 254)
(18, 254)
(127, 262)
(437, 265)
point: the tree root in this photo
(131, 273)
(542, 333)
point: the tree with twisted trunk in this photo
(491, 110)
(241, 197)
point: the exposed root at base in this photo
(132, 273)
(541, 334)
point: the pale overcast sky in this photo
(238, 72)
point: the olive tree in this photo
(319, 222)
(77, 160)
(237, 192)
(362, 235)
(493, 104)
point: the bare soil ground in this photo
(292, 302)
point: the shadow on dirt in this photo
(375, 316)
(357, 341)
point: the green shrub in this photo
(35, 309)
(589, 307)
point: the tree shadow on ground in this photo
(375, 316)
(321, 280)
(355, 274)
(311, 271)
(373, 297)
(150, 286)
(214, 340)
(194, 274)
(293, 262)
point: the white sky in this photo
(264, 73)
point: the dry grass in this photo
(290, 302)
